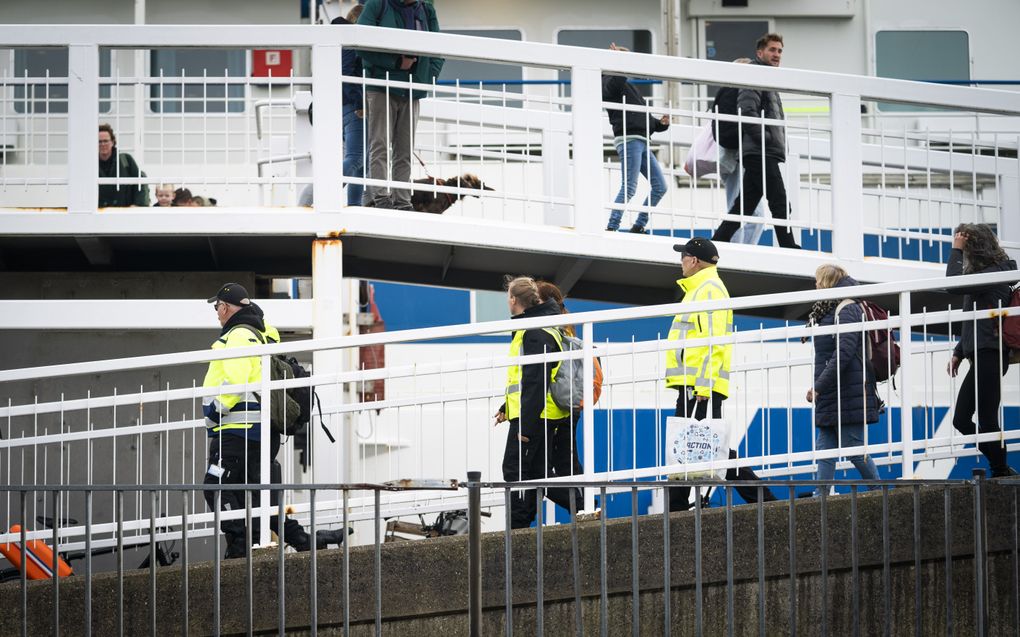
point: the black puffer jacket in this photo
(727, 133)
(616, 88)
(985, 297)
(751, 103)
(535, 377)
(845, 391)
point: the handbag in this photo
(690, 441)
(703, 158)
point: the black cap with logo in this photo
(233, 293)
(701, 248)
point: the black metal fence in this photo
(890, 557)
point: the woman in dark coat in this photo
(976, 250)
(844, 392)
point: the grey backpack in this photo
(567, 388)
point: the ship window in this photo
(470, 72)
(180, 96)
(488, 306)
(45, 97)
(921, 55)
(727, 40)
(636, 40)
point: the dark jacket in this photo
(391, 14)
(984, 297)
(751, 103)
(251, 316)
(616, 88)
(111, 195)
(535, 377)
(350, 64)
(852, 398)
(726, 134)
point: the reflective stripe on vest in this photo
(514, 374)
(692, 368)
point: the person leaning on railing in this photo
(113, 163)
(976, 250)
(233, 422)
(701, 374)
(536, 421)
(845, 393)
(392, 112)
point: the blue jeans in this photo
(637, 158)
(852, 436)
(354, 152)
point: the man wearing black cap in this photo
(701, 374)
(233, 421)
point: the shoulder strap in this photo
(839, 308)
(249, 328)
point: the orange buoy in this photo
(39, 561)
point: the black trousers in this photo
(985, 400)
(239, 459)
(691, 407)
(753, 190)
(551, 453)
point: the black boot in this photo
(336, 536)
(236, 547)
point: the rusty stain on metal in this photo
(408, 483)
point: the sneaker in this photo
(612, 229)
(636, 229)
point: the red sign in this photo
(275, 63)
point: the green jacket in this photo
(121, 165)
(386, 13)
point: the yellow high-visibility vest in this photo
(706, 368)
(514, 374)
(234, 411)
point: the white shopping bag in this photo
(689, 441)
(703, 159)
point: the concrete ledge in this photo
(424, 584)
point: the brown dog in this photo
(438, 202)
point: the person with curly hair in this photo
(976, 250)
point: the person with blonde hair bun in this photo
(539, 429)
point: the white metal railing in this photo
(436, 418)
(859, 185)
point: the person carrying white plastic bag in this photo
(701, 373)
(691, 441)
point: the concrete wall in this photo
(424, 584)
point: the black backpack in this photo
(290, 409)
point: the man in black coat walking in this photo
(755, 103)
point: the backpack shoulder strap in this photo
(257, 334)
(839, 308)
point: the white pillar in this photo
(847, 173)
(556, 175)
(1009, 212)
(330, 462)
(327, 148)
(82, 123)
(588, 412)
(590, 213)
(906, 389)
